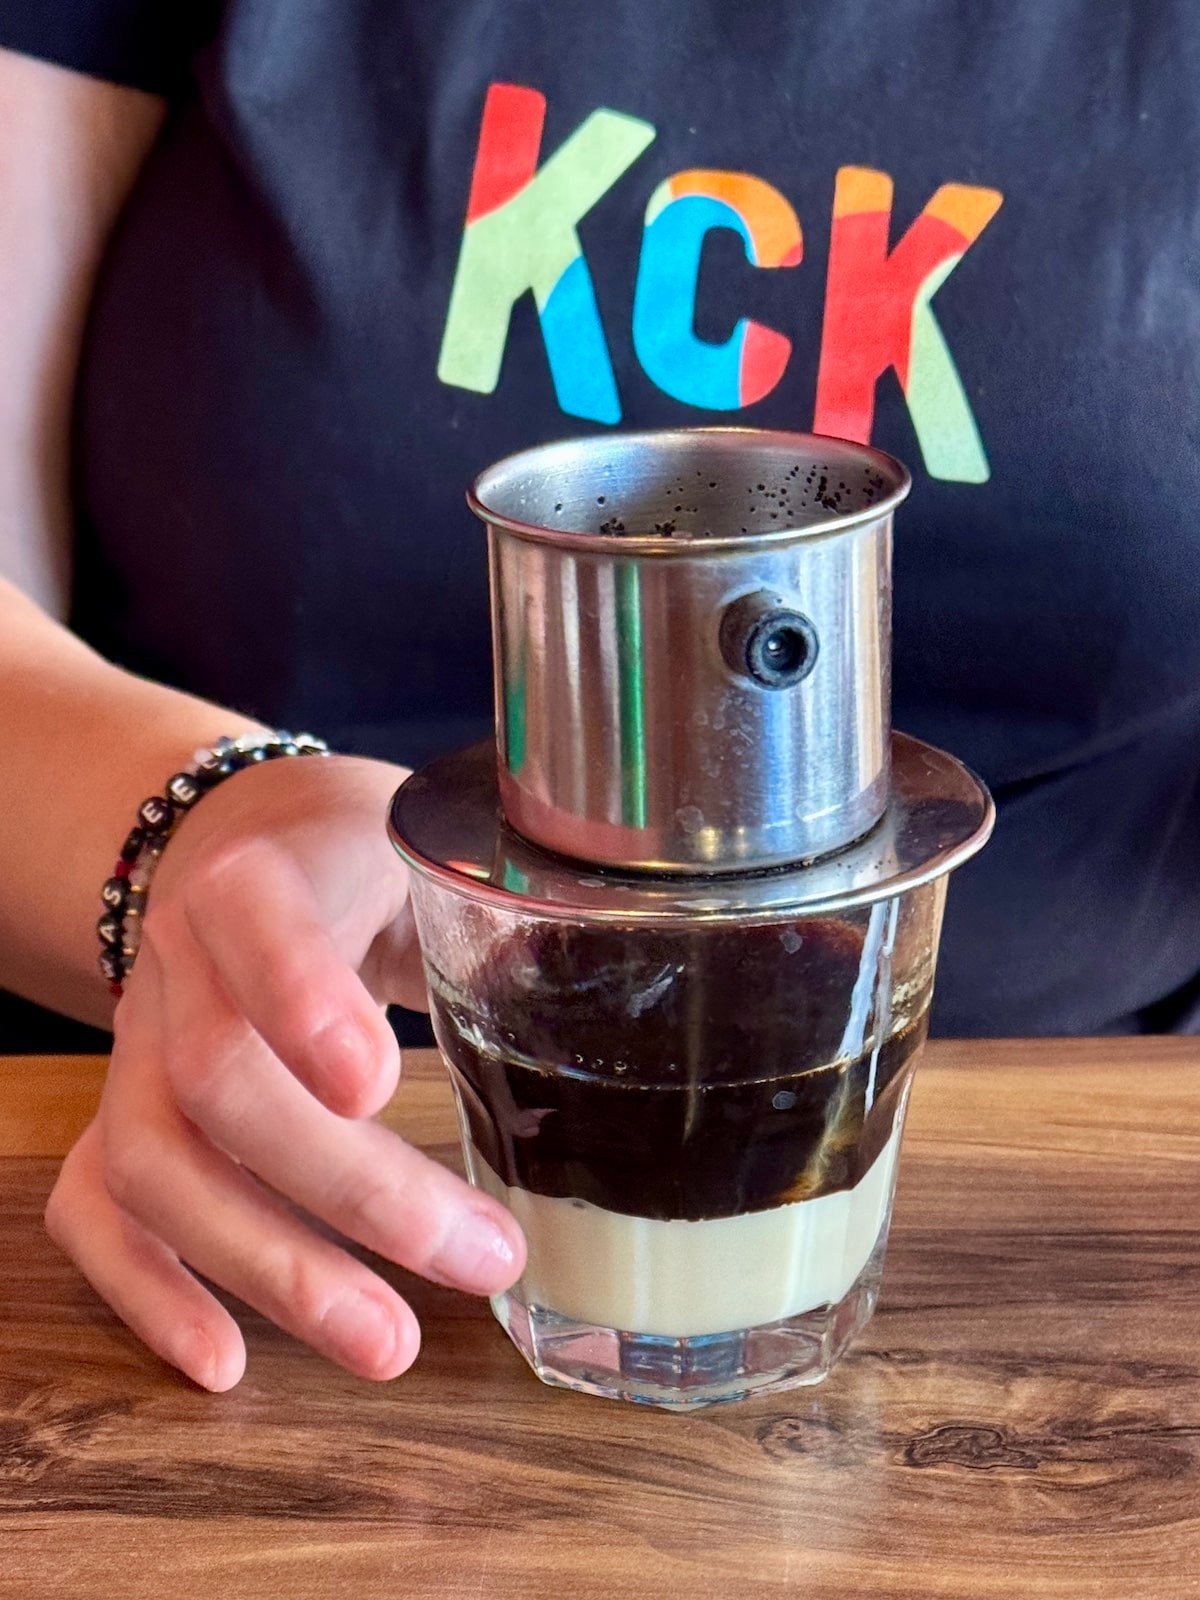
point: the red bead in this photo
(121, 870)
(117, 989)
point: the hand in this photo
(251, 1050)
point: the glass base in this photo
(680, 1374)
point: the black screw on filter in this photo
(767, 641)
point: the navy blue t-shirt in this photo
(380, 244)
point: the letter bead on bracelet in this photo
(124, 895)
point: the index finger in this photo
(256, 917)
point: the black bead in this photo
(109, 928)
(115, 893)
(273, 751)
(155, 814)
(183, 790)
(132, 848)
(112, 966)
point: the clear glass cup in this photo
(696, 1125)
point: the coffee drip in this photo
(680, 919)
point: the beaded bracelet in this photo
(124, 894)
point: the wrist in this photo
(125, 895)
(88, 741)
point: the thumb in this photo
(393, 970)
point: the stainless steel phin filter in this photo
(692, 639)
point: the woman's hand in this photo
(251, 1051)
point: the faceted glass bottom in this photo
(680, 1374)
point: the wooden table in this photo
(1022, 1419)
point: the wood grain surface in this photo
(1022, 1418)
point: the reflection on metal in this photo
(513, 879)
(514, 723)
(508, 644)
(632, 696)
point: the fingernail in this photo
(344, 1056)
(359, 1331)
(476, 1255)
(194, 1353)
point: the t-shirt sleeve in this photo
(144, 44)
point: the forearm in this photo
(82, 743)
